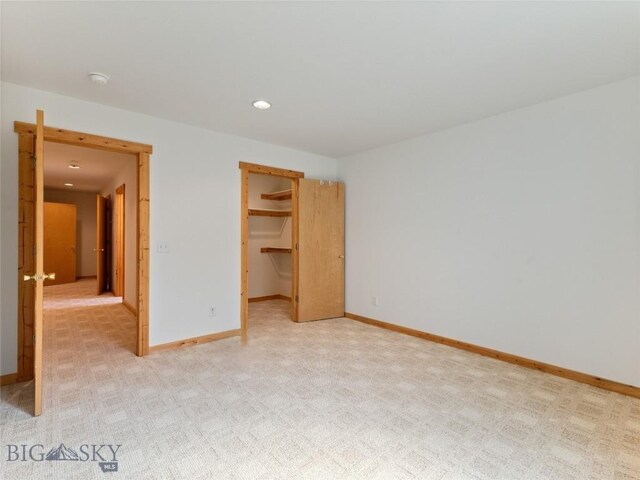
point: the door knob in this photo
(39, 277)
(340, 256)
(98, 249)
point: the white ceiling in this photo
(342, 76)
(97, 167)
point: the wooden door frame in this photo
(26, 133)
(294, 176)
(119, 241)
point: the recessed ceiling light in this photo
(68, 184)
(261, 104)
(99, 78)
(73, 165)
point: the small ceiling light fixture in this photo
(261, 104)
(68, 184)
(99, 78)
(73, 165)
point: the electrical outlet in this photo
(212, 311)
(163, 247)
(374, 301)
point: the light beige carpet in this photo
(325, 400)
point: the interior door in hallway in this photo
(102, 244)
(60, 242)
(320, 250)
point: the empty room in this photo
(320, 240)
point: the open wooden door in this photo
(320, 250)
(101, 244)
(33, 261)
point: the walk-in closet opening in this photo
(270, 243)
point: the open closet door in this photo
(102, 271)
(320, 249)
(33, 267)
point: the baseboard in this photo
(8, 379)
(603, 383)
(82, 277)
(194, 341)
(130, 307)
(269, 297)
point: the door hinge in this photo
(34, 160)
(296, 247)
(34, 339)
(297, 298)
(35, 250)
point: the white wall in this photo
(520, 232)
(195, 207)
(269, 273)
(85, 226)
(129, 177)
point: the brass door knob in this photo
(39, 276)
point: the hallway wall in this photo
(127, 176)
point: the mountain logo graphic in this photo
(62, 453)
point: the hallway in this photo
(74, 310)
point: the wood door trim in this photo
(26, 243)
(70, 137)
(120, 238)
(246, 169)
(26, 133)
(39, 265)
(295, 257)
(142, 284)
(266, 170)
(593, 380)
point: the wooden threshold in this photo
(194, 341)
(592, 380)
(281, 195)
(275, 250)
(264, 212)
(269, 297)
(8, 379)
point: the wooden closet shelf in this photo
(281, 195)
(275, 250)
(261, 212)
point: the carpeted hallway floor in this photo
(323, 400)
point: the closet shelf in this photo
(275, 250)
(281, 195)
(263, 212)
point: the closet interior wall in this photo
(269, 272)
